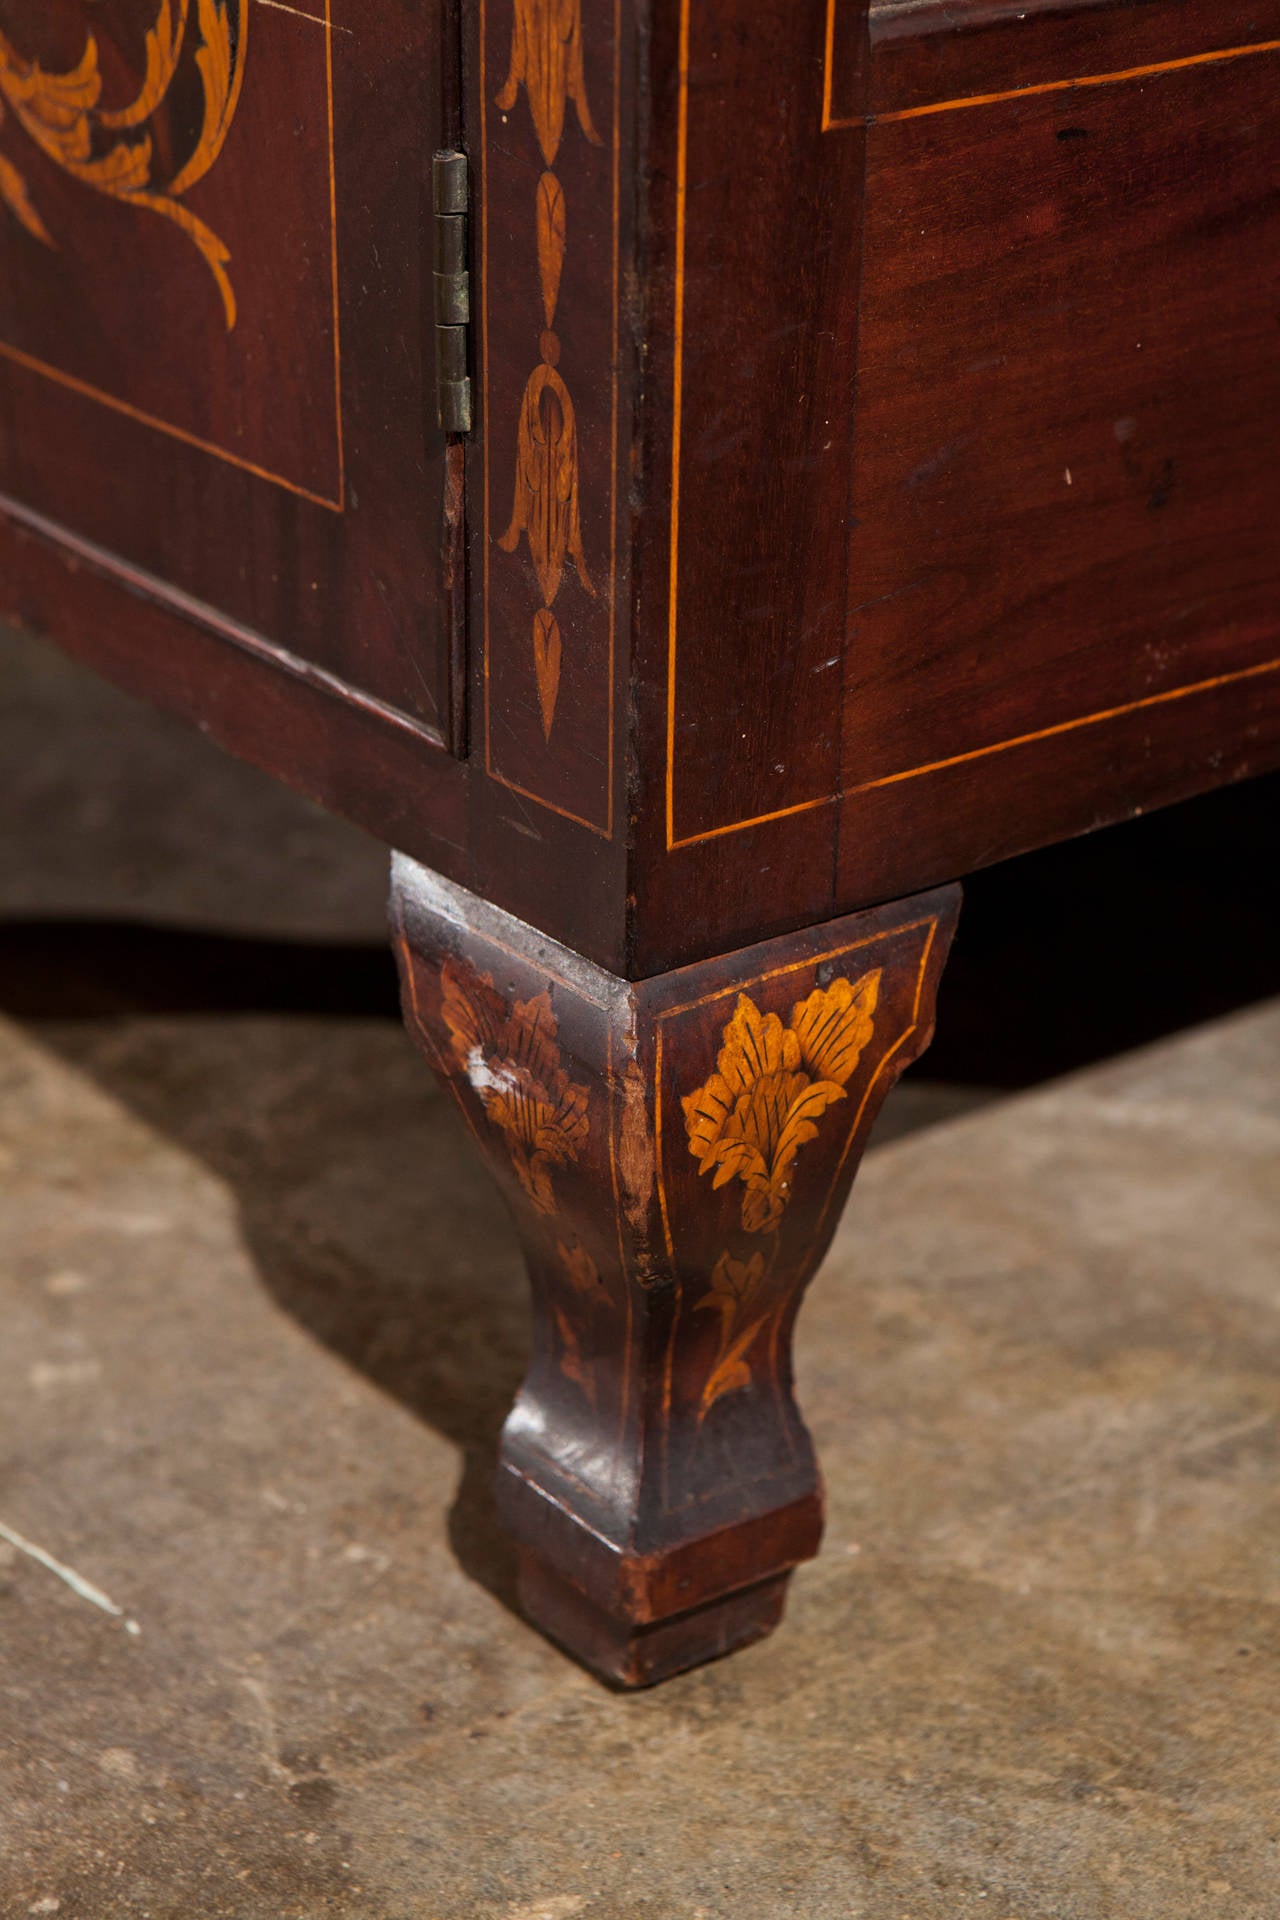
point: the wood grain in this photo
(872, 474)
(283, 472)
(675, 1154)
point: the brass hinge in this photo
(450, 197)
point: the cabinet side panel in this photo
(1069, 385)
(755, 309)
(1061, 602)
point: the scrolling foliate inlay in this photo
(111, 150)
(546, 60)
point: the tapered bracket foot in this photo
(676, 1153)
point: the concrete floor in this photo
(111, 808)
(261, 1322)
(262, 1318)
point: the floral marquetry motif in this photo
(656, 1471)
(545, 508)
(551, 241)
(546, 60)
(573, 1325)
(113, 150)
(738, 1295)
(771, 1087)
(511, 1059)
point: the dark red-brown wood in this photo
(281, 463)
(676, 1153)
(1059, 601)
(805, 314)
(871, 477)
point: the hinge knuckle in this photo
(453, 388)
(450, 188)
(451, 290)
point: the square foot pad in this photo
(629, 1655)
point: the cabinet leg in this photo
(676, 1153)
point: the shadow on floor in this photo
(361, 1205)
(406, 1266)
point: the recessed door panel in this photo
(214, 313)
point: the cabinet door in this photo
(215, 319)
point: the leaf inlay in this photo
(771, 1086)
(511, 1057)
(63, 115)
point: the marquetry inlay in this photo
(109, 147)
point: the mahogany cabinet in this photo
(695, 477)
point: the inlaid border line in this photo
(614, 1102)
(673, 844)
(139, 415)
(931, 922)
(677, 412)
(722, 993)
(982, 753)
(1214, 58)
(604, 832)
